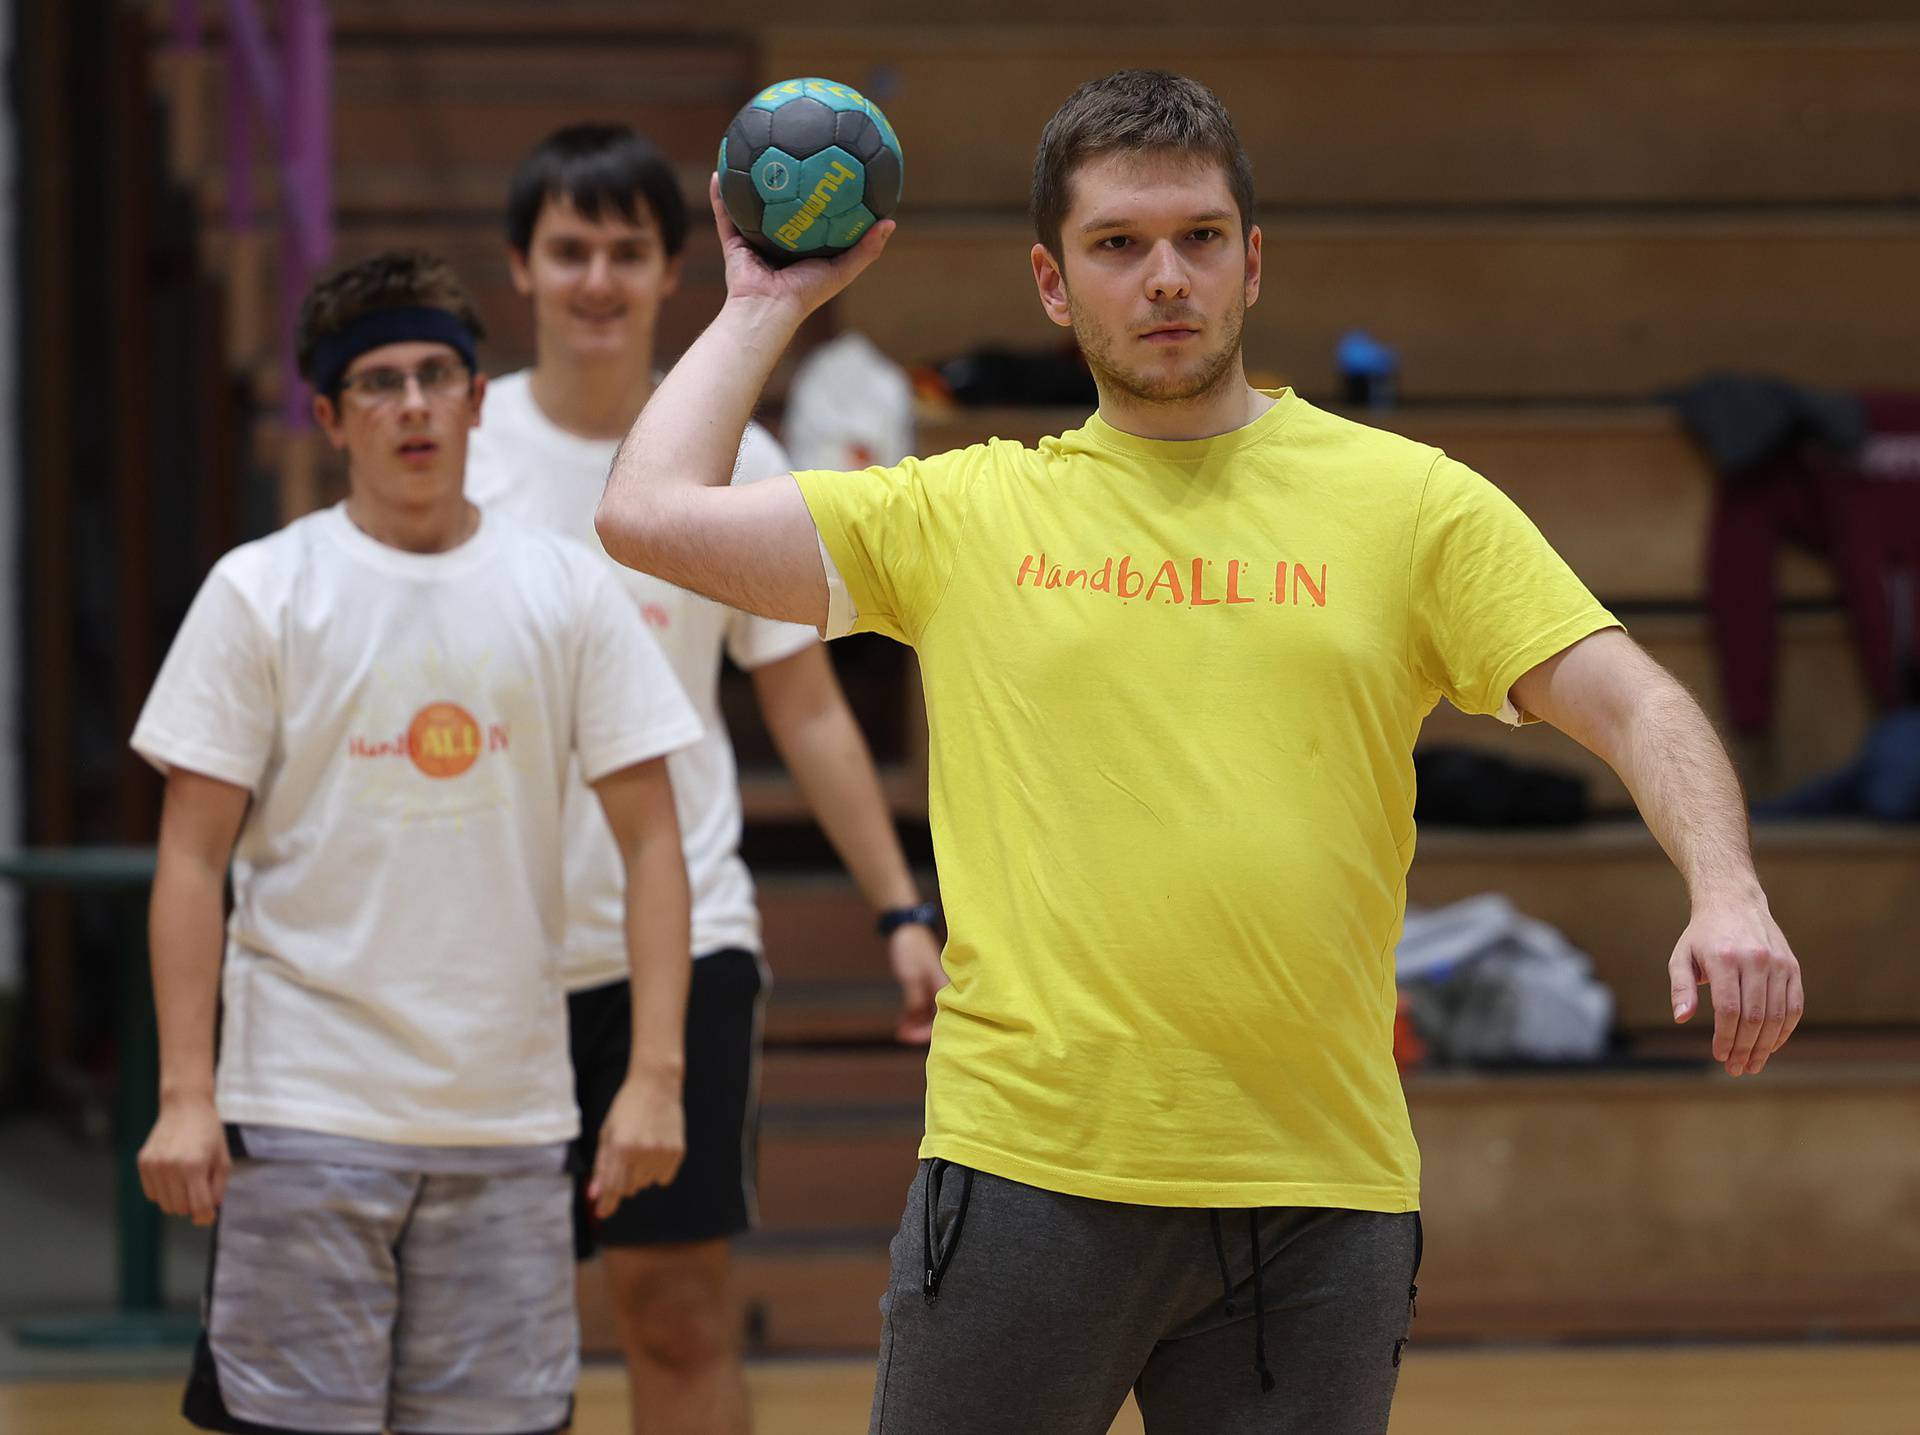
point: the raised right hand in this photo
(802, 286)
(184, 1165)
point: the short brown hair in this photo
(397, 279)
(1135, 111)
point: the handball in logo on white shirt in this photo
(409, 725)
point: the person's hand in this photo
(913, 951)
(641, 1142)
(1757, 997)
(184, 1164)
(804, 285)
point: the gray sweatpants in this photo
(1016, 1311)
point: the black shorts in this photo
(713, 1195)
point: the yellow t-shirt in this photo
(1172, 692)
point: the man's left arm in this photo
(822, 745)
(644, 1136)
(1607, 694)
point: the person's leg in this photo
(680, 1333)
(665, 1249)
(1338, 1289)
(300, 1302)
(1016, 1310)
(487, 1340)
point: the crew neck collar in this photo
(1194, 450)
(469, 554)
(517, 388)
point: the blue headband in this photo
(418, 324)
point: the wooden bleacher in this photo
(1573, 1205)
(1555, 209)
(1606, 885)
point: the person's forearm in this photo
(659, 959)
(832, 765)
(186, 933)
(1673, 764)
(689, 433)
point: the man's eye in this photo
(432, 374)
(1205, 234)
(383, 381)
(1115, 241)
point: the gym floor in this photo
(1755, 1390)
(56, 1254)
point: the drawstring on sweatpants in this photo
(1259, 1307)
(936, 1259)
(1259, 1292)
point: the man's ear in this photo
(517, 268)
(1253, 265)
(1051, 280)
(326, 413)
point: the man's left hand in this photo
(1736, 948)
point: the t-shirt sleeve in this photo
(893, 535)
(1490, 598)
(214, 708)
(753, 641)
(629, 706)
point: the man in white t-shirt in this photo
(376, 714)
(595, 228)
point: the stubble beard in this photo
(1211, 374)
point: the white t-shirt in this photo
(521, 464)
(406, 723)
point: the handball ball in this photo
(807, 168)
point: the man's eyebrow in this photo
(1215, 216)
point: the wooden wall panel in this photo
(611, 17)
(1422, 116)
(1481, 309)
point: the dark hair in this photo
(1134, 111)
(397, 279)
(597, 168)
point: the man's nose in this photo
(413, 398)
(1167, 276)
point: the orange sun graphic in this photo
(443, 740)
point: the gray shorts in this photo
(358, 1292)
(1012, 1310)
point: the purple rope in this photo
(186, 24)
(293, 100)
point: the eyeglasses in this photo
(438, 379)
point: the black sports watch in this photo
(926, 914)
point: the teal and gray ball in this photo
(807, 167)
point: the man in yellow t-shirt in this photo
(1175, 663)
